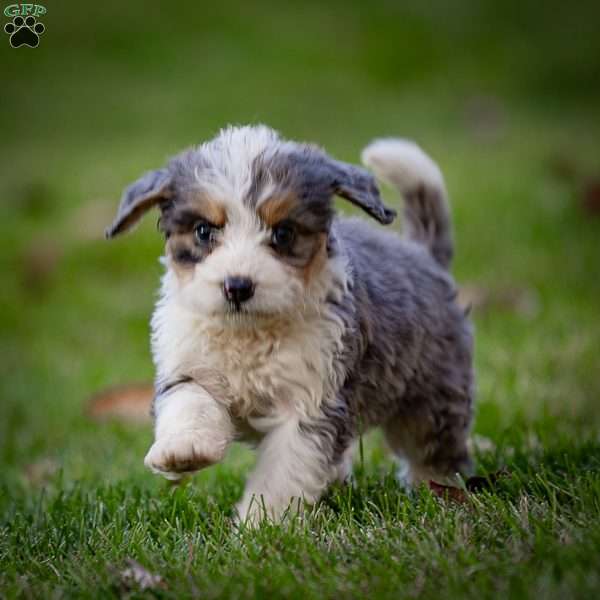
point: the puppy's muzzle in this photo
(238, 290)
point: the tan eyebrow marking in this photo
(213, 211)
(186, 216)
(276, 209)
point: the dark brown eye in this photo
(283, 237)
(203, 231)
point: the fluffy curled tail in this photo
(418, 178)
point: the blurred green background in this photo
(505, 96)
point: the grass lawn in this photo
(505, 96)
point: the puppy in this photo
(281, 324)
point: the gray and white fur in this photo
(283, 325)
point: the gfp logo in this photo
(24, 29)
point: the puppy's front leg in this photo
(192, 431)
(293, 466)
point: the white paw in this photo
(180, 454)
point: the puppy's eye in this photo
(203, 231)
(283, 237)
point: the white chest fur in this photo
(272, 367)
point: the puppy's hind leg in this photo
(400, 436)
(430, 447)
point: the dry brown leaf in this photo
(130, 403)
(473, 485)
(136, 576)
(449, 493)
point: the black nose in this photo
(238, 289)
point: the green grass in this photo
(496, 94)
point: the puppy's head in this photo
(246, 219)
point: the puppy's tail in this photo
(418, 178)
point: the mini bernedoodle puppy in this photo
(286, 326)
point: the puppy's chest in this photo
(264, 370)
(253, 365)
(271, 371)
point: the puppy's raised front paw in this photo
(183, 453)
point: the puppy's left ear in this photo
(149, 190)
(358, 186)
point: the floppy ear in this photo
(358, 186)
(150, 189)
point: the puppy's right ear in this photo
(149, 190)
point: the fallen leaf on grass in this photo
(129, 403)
(135, 576)
(449, 493)
(473, 485)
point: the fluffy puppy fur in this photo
(283, 325)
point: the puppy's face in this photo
(238, 255)
(246, 219)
